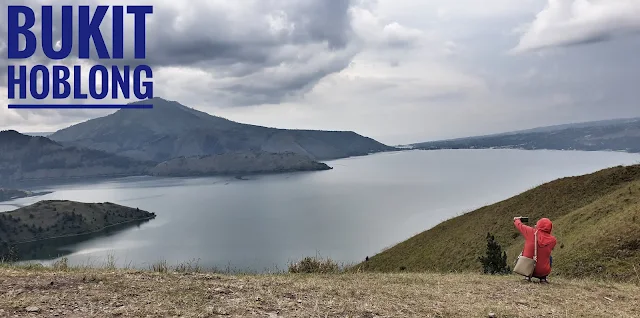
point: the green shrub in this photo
(495, 261)
(315, 265)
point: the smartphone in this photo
(524, 219)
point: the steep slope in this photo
(27, 158)
(596, 221)
(618, 135)
(171, 130)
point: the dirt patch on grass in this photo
(102, 293)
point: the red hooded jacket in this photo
(546, 243)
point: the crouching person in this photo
(545, 244)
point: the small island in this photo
(12, 194)
(240, 163)
(47, 220)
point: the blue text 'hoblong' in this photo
(23, 79)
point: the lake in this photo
(363, 205)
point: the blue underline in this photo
(80, 106)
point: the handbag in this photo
(524, 265)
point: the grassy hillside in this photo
(596, 221)
(42, 292)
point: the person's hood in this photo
(544, 225)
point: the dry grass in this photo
(126, 293)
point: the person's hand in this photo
(517, 218)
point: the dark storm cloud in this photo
(264, 90)
(239, 43)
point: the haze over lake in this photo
(363, 205)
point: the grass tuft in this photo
(314, 265)
(62, 264)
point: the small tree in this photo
(8, 253)
(495, 261)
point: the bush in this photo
(495, 261)
(61, 264)
(316, 265)
(8, 253)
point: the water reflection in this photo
(51, 249)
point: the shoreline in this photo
(31, 195)
(84, 233)
(525, 149)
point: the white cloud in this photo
(572, 22)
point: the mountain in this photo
(596, 220)
(612, 135)
(171, 130)
(237, 163)
(26, 158)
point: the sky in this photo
(399, 71)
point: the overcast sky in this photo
(399, 71)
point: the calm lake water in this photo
(362, 206)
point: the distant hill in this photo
(237, 163)
(171, 130)
(596, 219)
(26, 158)
(50, 219)
(12, 194)
(55, 220)
(612, 135)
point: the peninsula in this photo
(46, 220)
(27, 159)
(237, 163)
